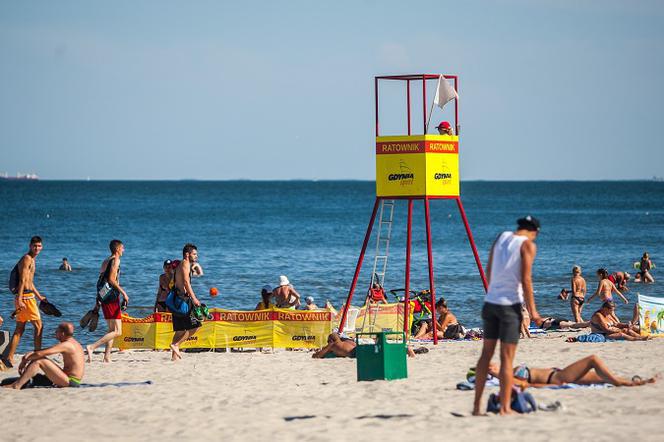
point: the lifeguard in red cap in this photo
(444, 128)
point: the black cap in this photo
(529, 223)
(167, 262)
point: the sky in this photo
(273, 90)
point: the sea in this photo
(248, 233)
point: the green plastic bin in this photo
(383, 359)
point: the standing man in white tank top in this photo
(510, 285)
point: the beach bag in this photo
(522, 402)
(454, 331)
(176, 305)
(105, 292)
(13, 280)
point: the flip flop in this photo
(49, 309)
(85, 320)
(94, 321)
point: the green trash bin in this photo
(382, 359)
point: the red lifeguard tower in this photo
(415, 167)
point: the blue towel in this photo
(591, 337)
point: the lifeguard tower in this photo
(412, 167)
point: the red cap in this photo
(444, 125)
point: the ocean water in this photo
(249, 233)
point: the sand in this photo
(249, 395)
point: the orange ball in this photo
(213, 291)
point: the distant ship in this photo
(19, 177)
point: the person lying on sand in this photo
(550, 323)
(587, 371)
(603, 322)
(70, 375)
(341, 347)
(345, 348)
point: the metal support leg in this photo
(358, 267)
(472, 243)
(432, 288)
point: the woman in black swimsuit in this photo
(587, 371)
(578, 293)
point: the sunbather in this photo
(341, 347)
(551, 323)
(603, 322)
(587, 371)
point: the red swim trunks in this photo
(112, 309)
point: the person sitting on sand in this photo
(71, 373)
(65, 266)
(341, 347)
(266, 295)
(285, 295)
(310, 304)
(620, 279)
(605, 288)
(645, 266)
(603, 322)
(446, 319)
(587, 371)
(578, 284)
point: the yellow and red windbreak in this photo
(232, 329)
(417, 165)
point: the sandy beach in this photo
(251, 396)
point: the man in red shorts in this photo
(111, 306)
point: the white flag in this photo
(444, 93)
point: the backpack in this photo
(14, 280)
(105, 292)
(522, 402)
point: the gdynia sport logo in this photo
(444, 174)
(405, 175)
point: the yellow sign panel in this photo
(418, 165)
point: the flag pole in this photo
(426, 130)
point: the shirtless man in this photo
(310, 304)
(342, 348)
(112, 308)
(184, 326)
(70, 375)
(603, 323)
(21, 283)
(606, 288)
(285, 295)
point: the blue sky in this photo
(284, 90)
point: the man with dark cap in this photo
(509, 275)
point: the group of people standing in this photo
(111, 298)
(609, 284)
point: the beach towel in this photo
(591, 337)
